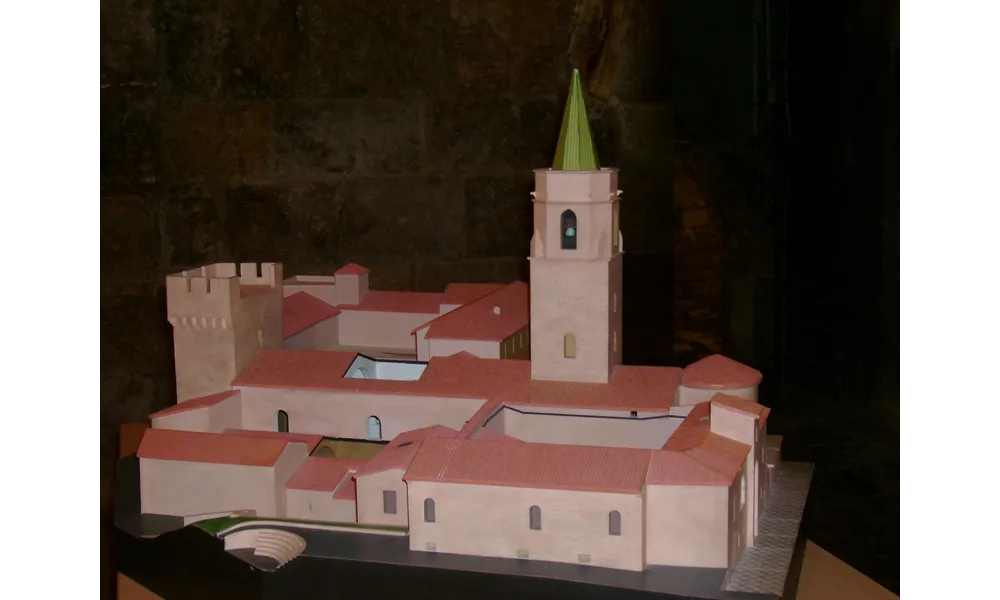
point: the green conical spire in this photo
(575, 150)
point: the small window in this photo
(743, 491)
(569, 345)
(389, 502)
(281, 419)
(614, 341)
(614, 523)
(614, 302)
(634, 414)
(260, 338)
(535, 518)
(374, 428)
(429, 516)
(569, 231)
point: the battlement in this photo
(209, 294)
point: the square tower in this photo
(576, 249)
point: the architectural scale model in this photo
(451, 419)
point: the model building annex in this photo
(454, 418)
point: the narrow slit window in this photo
(569, 230)
(535, 518)
(614, 523)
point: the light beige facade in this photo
(221, 317)
(496, 521)
(312, 505)
(340, 414)
(181, 488)
(382, 498)
(575, 276)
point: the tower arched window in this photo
(281, 421)
(569, 346)
(374, 428)
(567, 226)
(429, 514)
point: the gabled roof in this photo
(543, 466)
(400, 451)
(351, 269)
(575, 149)
(493, 317)
(195, 403)
(218, 448)
(693, 455)
(717, 372)
(302, 310)
(322, 474)
(463, 293)
(309, 439)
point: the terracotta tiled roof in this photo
(717, 372)
(742, 405)
(347, 490)
(219, 448)
(463, 293)
(309, 439)
(465, 376)
(321, 474)
(399, 302)
(195, 403)
(450, 377)
(629, 388)
(302, 310)
(695, 456)
(545, 466)
(400, 451)
(351, 269)
(493, 317)
(669, 467)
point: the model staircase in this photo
(279, 546)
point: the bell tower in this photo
(576, 259)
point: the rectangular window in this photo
(389, 502)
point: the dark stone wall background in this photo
(400, 135)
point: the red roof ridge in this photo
(322, 474)
(351, 269)
(302, 310)
(398, 453)
(194, 404)
(735, 403)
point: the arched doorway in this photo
(374, 428)
(281, 421)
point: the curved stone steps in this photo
(280, 546)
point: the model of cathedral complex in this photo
(453, 418)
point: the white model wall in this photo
(591, 428)
(311, 505)
(494, 521)
(324, 335)
(345, 414)
(687, 526)
(480, 348)
(687, 396)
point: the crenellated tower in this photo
(576, 259)
(222, 316)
